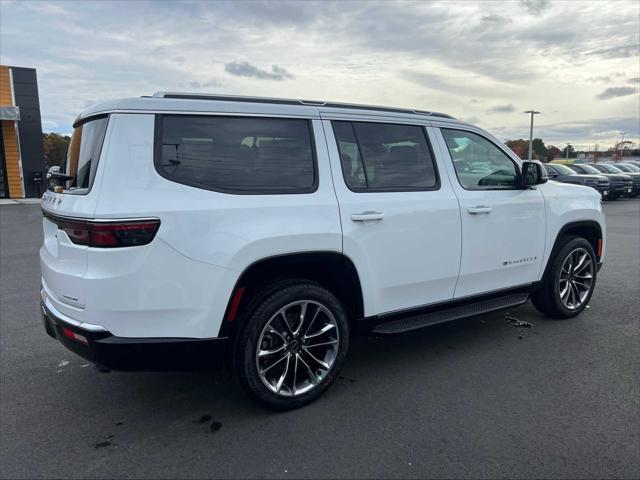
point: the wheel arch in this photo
(590, 230)
(333, 270)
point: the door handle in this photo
(364, 216)
(479, 209)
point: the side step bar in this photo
(421, 320)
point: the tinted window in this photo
(84, 152)
(237, 154)
(479, 164)
(382, 156)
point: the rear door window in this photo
(385, 157)
(237, 154)
(84, 153)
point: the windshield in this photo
(633, 168)
(563, 169)
(84, 152)
(586, 169)
(625, 167)
(611, 168)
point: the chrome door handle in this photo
(479, 209)
(364, 216)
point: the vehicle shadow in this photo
(371, 361)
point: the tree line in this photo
(546, 153)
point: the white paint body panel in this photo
(426, 249)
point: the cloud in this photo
(634, 80)
(613, 92)
(621, 51)
(534, 7)
(245, 69)
(494, 18)
(211, 83)
(502, 109)
(600, 79)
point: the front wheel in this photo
(292, 346)
(570, 280)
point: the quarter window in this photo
(84, 152)
(237, 154)
(385, 157)
(479, 164)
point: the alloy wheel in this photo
(297, 348)
(576, 278)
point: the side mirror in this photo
(533, 173)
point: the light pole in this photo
(532, 113)
(568, 145)
(622, 142)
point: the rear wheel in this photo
(570, 280)
(292, 346)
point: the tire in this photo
(296, 372)
(568, 283)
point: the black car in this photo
(631, 181)
(632, 171)
(562, 173)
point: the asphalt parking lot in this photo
(475, 398)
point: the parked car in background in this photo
(564, 174)
(631, 184)
(626, 167)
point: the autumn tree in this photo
(553, 152)
(519, 147)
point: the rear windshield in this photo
(84, 152)
(237, 154)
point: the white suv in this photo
(188, 228)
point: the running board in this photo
(414, 322)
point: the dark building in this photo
(22, 165)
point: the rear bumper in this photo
(135, 354)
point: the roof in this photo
(200, 102)
(288, 101)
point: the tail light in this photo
(107, 234)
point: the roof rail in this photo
(288, 101)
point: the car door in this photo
(400, 218)
(503, 225)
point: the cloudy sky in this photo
(485, 62)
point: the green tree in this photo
(55, 148)
(572, 152)
(539, 149)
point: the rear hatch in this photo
(63, 257)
